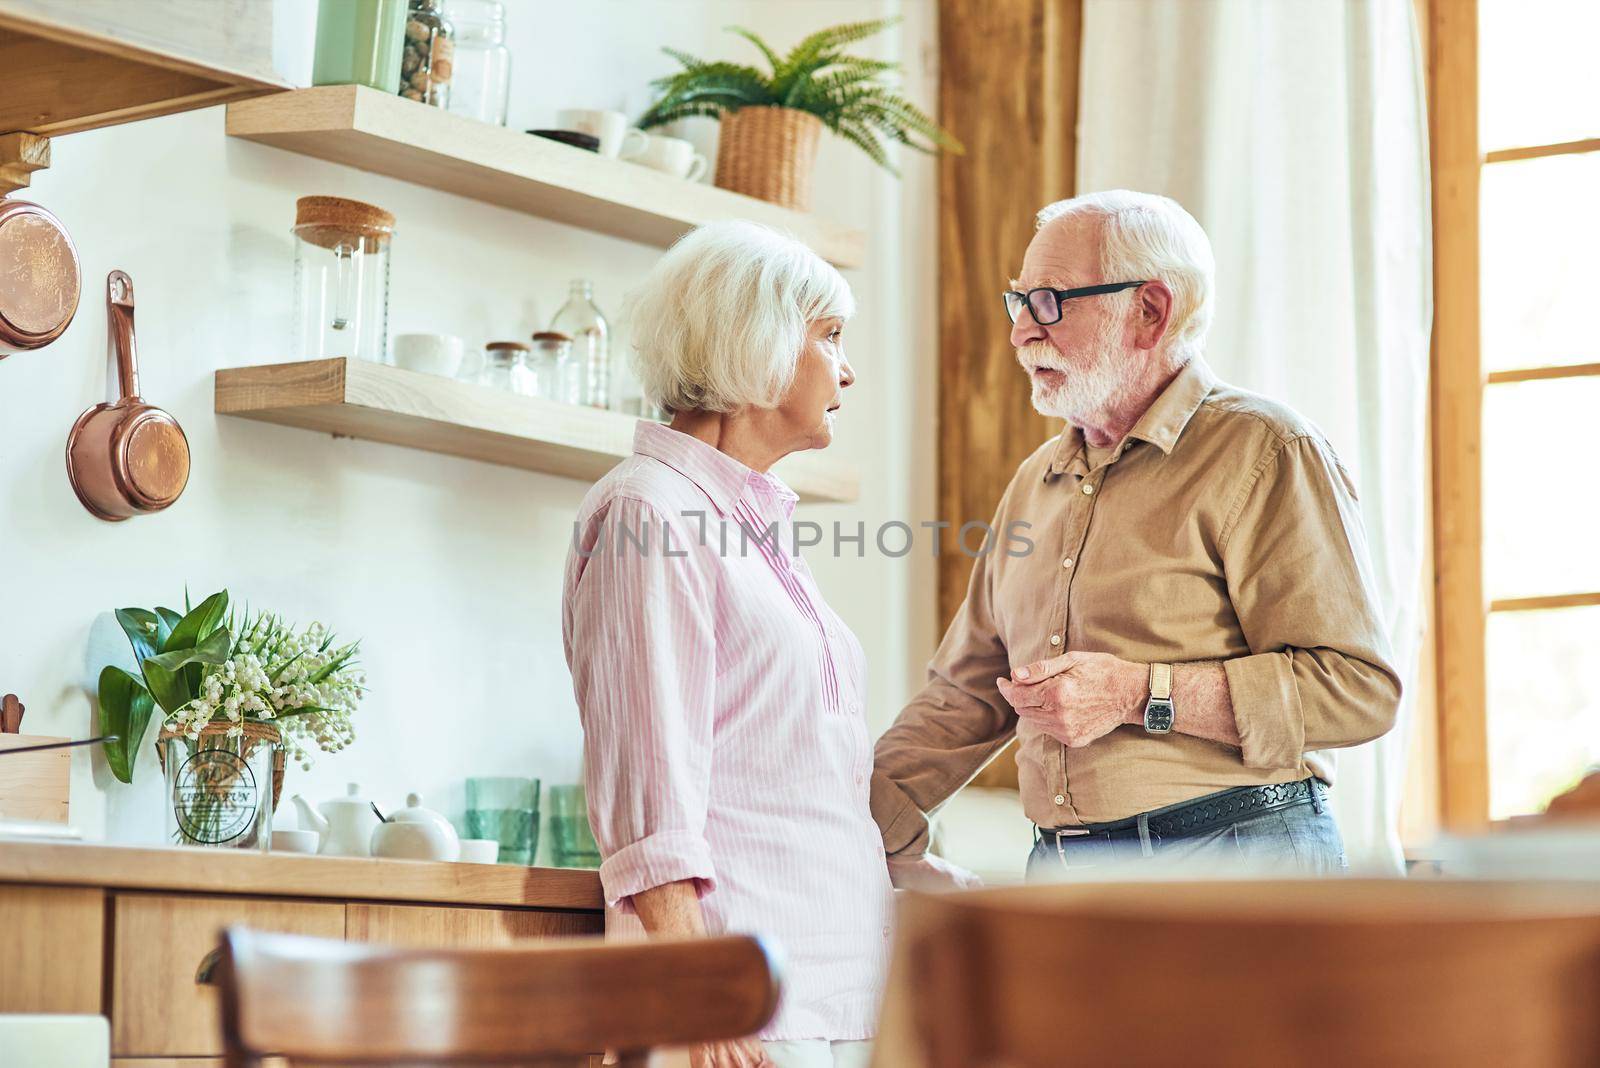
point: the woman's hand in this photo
(740, 1053)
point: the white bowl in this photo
(433, 354)
(295, 841)
(479, 850)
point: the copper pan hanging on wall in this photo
(126, 457)
(39, 278)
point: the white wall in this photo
(448, 570)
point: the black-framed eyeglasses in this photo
(1045, 303)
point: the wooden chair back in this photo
(327, 1002)
(1358, 972)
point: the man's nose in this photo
(1025, 330)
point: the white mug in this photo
(671, 154)
(611, 127)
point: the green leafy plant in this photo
(817, 76)
(208, 666)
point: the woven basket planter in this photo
(769, 153)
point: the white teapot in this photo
(416, 833)
(345, 823)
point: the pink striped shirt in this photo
(725, 738)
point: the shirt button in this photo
(1061, 799)
(886, 932)
(1088, 488)
(1055, 639)
(1067, 562)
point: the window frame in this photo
(1457, 389)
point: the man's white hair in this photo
(1150, 237)
(721, 319)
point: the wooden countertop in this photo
(229, 871)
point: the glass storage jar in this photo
(358, 43)
(480, 81)
(341, 267)
(427, 61)
(505, 366)
(581, 320)
(554, 371)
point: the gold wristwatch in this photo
(1158, 711)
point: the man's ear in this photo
(1154, 314)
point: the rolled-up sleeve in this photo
(1320, 674)
(640, 642)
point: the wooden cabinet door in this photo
(52, 949)
(447, 927)
(159, 944)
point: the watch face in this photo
(1158, 716)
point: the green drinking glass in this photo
(505, 808)
(572, 843)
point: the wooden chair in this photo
(1339, 972)
(327, 1002)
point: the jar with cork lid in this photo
(341, 267)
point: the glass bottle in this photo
(480, 84)
(580, 320)
(358, 43)
(505, 367)
(427, 61)
(341, 267)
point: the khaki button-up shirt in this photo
(1221, 528)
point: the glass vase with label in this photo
(222, 785)
(580, 319)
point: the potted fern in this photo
(771, 122)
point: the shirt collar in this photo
(1161, 424)
(722, 478)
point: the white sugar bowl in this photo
(416, 833)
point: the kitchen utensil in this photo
(345, 823)
(56, 744)
(294, 841)
(11, 711)
(584, 141)
(611, 127)
(127, 457)
(39, 278)
(433, 354)
(416, 833)
(505, 808)
(479, 850)
(673, 155)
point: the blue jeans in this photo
(1300, 839)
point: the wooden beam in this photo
(1457, 408)
(1540, 604)
(1008, 89)
(20, 155)
(1565, 148)
(1539, 374)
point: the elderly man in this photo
(1196, 617)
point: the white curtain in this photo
(1296, 132)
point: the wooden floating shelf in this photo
(71, 67)
(376, 402)
(388, 135)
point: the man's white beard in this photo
(1086, 392)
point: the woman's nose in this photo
(847, 374)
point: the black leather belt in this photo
(1203, 813)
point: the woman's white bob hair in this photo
(720, 321)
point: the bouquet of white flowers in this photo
(205, 667)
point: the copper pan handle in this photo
(119, 310)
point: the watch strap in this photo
(1161, 681)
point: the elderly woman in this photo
(725, 746)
